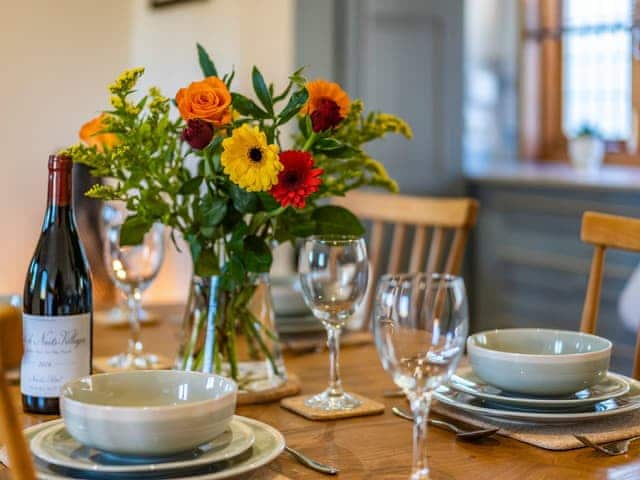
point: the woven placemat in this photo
(289, 388)
(552, 437)
(296, 405)
(101, 364)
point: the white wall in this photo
(58, 58)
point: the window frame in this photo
(540, 133)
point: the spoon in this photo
(311, 463)
(467, 435)
(620, 447)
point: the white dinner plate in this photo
(612, 386)
(268, 444)
(56, 446)
(477, 406)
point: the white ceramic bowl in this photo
(539, 361)
(147, 413)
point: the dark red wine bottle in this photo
(57, 310)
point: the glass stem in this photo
(420, 408)
(133, 301)
(333, 342)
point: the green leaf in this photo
(195, 246)
(207, 264)
(257, 254)
(133, 230)
(260, 87)
(211, 211)
(215, 143)
(334, 220)
(191, 186)
(296, 102)
(236, 241)
(247, 107)
(228, 78)
(284, 93)
(206, 64)
(328, 144)
(268, 202)
(232, 273)
(243, 201)
(257, 220)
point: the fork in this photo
(468, 435)
(613, 449)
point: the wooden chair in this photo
(11, 434)
(431, 218)
(606, 231)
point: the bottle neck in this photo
(59, 194)
(59, 190)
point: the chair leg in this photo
(636, 359)
(592, 299)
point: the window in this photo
(577, 71)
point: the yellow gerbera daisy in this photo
(249, 161)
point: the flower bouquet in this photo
(218, 176)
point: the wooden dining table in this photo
(374, 447)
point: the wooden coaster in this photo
(101, 364)
(296, 405)
(287, 389)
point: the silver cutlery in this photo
(311, 463)
(613, 449)
(393, 393)
(461, 434)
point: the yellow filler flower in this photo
(249, 161)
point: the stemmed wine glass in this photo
(420, 325)
(133, 268)
(333, 273)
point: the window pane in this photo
(597, 67)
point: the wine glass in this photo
(333, 273)
(133, 268)
(420, 325)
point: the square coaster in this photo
(296, 405)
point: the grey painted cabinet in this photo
(530, 269)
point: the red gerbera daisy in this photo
(298, 180)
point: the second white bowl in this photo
(537, 361)
(147, 413)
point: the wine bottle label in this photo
(56, 349)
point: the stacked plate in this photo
(540, 376)
(156, 424)
(615, 395)
(245, 445)
(292, 314)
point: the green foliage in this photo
(228, 229)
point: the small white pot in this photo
(586, 153)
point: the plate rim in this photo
(176, 466)
(547, 403)
(541, 417)
(245, 467)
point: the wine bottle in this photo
(57, 311)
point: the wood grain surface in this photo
(378, 447)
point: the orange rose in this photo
(207, 100)
(89, 134)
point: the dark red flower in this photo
(326, 115)
(298, 180)
(197, 133)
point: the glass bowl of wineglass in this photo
(334, 271)
(420, 325)
(132, 269)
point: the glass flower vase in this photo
(232, 333)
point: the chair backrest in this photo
(606, 231)
(11, 434)
(433, 220)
